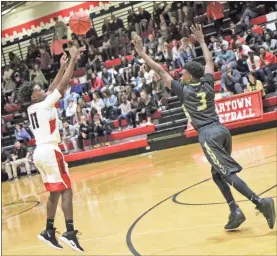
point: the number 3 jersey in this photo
(43, 118)
(198, 101)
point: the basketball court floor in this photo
(160, 203)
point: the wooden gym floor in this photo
(132, 205)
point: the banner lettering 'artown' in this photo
(239, 107)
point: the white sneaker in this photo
(148, 124)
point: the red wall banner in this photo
(246, 106)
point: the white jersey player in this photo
(48, 157)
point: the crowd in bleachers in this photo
(245, 54)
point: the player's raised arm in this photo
(197, 34)
(69, 70)
(59, 76)
(151, 63)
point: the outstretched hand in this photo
(138, 44)
(197, 33)
(63, 59)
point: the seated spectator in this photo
(266, 31)
(237, 29)
(5, 163)
(109, 111)
(21, 134)
(20, 157)
(158, 88)
(241, 50)
(69, 134)
(253, 63)
(189, 54)
(82, 110)
(231, 81)
(148, 74)
(107, 79)
(37, 76)
(268, 62)
(139, 80)
(96, 83)
(126, 113)
(70, 111)
(14, 60)
(101, 129)
(226, 57)
(235, 38)
(252, 35)
(250, 12)
(152, 44)
(86, 132)
(106, 48)
(177, 60)
(146, 108)
(97, 103)
(270, 44)
(222, 41)
(254, 85)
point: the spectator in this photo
(5, 163)
(96, 83)
(237, 29)
(146, 108)
(21, 134)
(177, 60)
(69, 134)
(158, 88)
(268, 62)
(32, 51)
(254, 85)
(234, 39)
(20, 157)
(37, 76)
(250, 12)
(106, 47)
(107, 79)
(148, 74)
(101, 129)
(109, 111)
(241, 50)
(106, 26)
(251, 35)
(231, 80)
(215, 13)
(152, 44)
(117, 26)
(253, 63)
(9, 85)
(226, 57)
(70, 111)
(86, 132)
(126, 113)
(14, 60)
(270, 44)
(265, 31)
(45, 62)
(174, 29)
(60, 29)
(222, 41)
(96, 104)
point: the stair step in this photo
(171, 124)
(172, 118)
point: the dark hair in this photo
(25, 93)
(195, 69)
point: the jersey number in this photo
(34, 121)
(202, 96)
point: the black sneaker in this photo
(267, 209)
(71, 240)
(236, 218)
(48, 237)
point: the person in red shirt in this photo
(268, 62)
(215, 13)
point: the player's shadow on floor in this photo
(239, 234)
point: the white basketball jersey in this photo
(43, 117)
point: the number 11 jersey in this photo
(43, 117)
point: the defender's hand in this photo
(197, 33)
(138, 44)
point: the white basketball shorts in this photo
(49, 160)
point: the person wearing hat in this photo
(101, 129)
